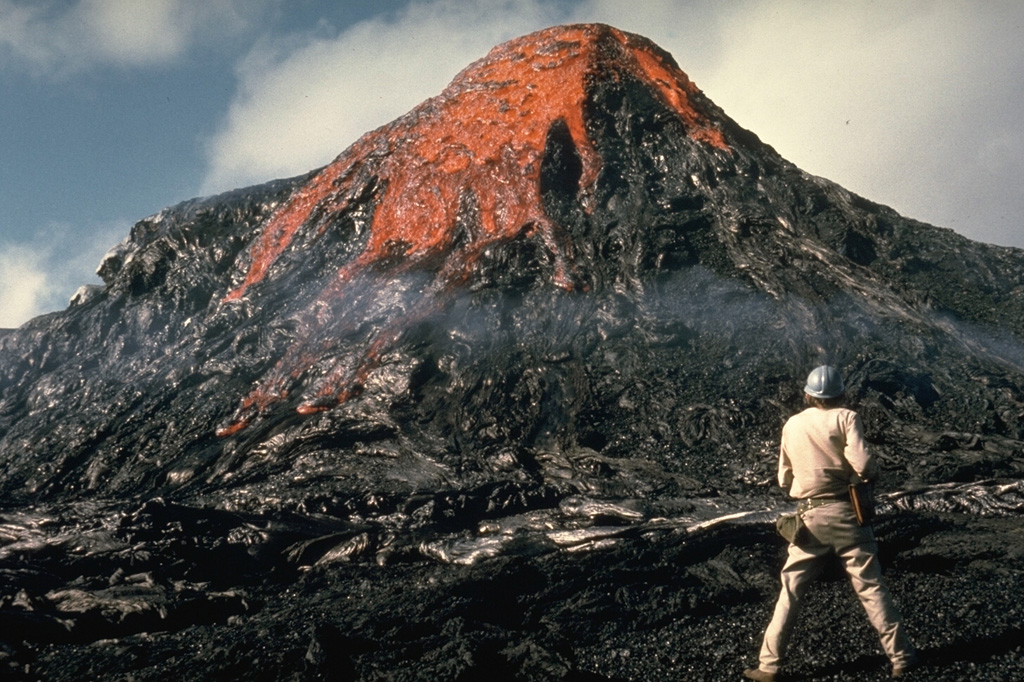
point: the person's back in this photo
(822, 452)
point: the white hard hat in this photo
(825, 382)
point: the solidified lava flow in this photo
(481, 140)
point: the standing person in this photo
(822, 453)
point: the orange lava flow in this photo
(484, 136)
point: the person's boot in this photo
(901, 669)
(759, 675)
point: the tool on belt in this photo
(862, 497)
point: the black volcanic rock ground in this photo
(542, 450)
(658, 603)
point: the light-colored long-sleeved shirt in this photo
(822, 452)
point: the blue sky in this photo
(111, 110)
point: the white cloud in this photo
(305, 99)
(865, 96)
(40, 276)
(133, 32)
(23, 285)
(61, 38)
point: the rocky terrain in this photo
(496, 395)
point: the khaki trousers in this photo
(832, 528)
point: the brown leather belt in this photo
(812, 502)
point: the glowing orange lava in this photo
(483, 136)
